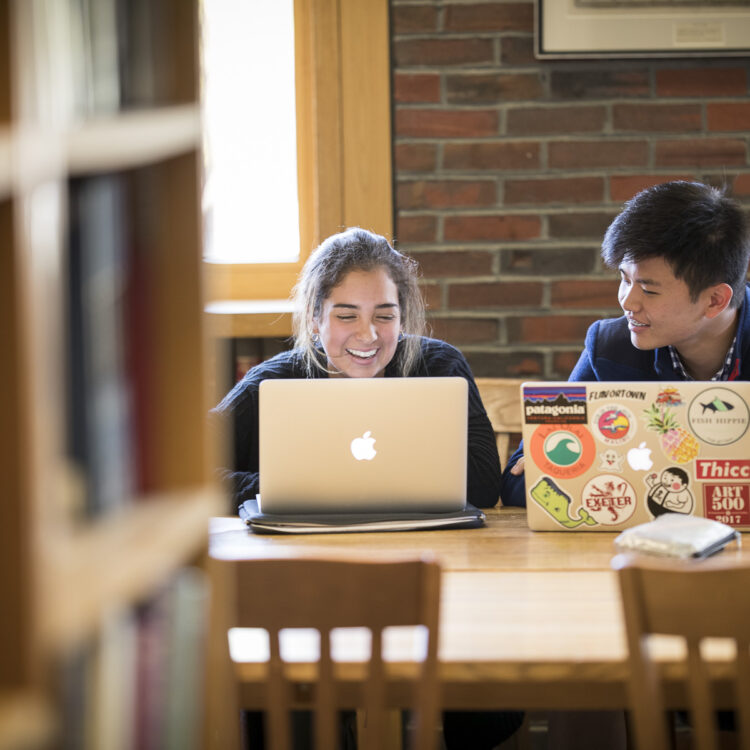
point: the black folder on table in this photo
(336, 523)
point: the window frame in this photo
(344, 167)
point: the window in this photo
(343, 138)
(250, 206)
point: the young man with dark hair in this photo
(682, 250)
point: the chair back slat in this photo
(324, 594)
(697, 600)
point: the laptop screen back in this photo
(350, 445)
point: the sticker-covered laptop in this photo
(604, 456)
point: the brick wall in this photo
(508, 170)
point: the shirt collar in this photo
(722, 373)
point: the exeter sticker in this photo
(609, 499)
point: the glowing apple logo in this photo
(363, 447)
(640, 458)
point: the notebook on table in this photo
(605, 456)
(354, 454)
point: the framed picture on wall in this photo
(642, 28)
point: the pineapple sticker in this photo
(676, 442)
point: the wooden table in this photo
(528, 620)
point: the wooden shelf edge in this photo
(26, 721)
(133, 138)
(135, 551)
(249, 318)
(6, 163)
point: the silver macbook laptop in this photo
(604, 456)
(351, 445)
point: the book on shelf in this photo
(138, 682)
(99, 427)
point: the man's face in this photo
(658, 306)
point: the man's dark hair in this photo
(698, 229)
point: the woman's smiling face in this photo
(359, 324)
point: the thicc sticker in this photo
(562, 450)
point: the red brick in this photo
(478, 228)
(458, 331)
(406, 19)
(517, 50)
(549, 261)
(550, 120)
(549, 329)
(504, 155)
(728, 116)
(416, 87)
(624, 187)
(515, 364)
(741, 185)
(657, 117)
(454, 263)
(601, 153)
(490, 17)
(583, 225)
(707, 152)
(442, 52)
(416, 229)
(442, 123)
(584, 294)
(563, 363)
(432, 295)
(415, 157)
(495, 294)
(444, 193)
(702, 82)
(555, 190)
(492, 88)
(596, 84)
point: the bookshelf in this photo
(105, 459)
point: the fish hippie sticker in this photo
(718, 416)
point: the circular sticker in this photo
(614, 424)
(609, 498)
(718, 416)
(562, 450)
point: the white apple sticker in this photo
(640, 458)
(363, 448)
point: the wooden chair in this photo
(325, 594)
(695, 600)
(502, 400)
